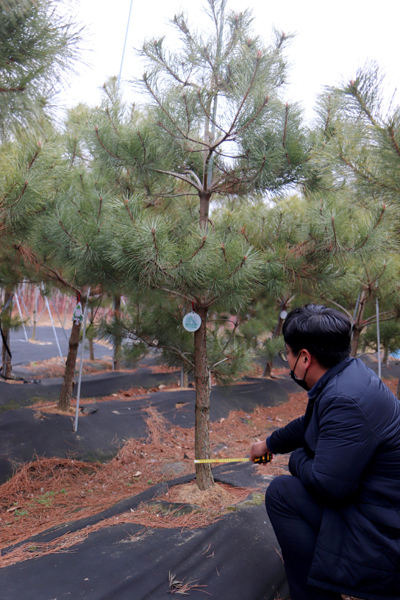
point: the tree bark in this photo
(6, 358)
(204, 476)
(267, 369)
(385, 355)
(358, 322)
(91, 349)
(184, 378)
(117, 339)
(276, 333)
(35, 312)
(91, 341)
(66, 393)
(204, 208)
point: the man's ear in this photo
(306, 356)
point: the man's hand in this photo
(258, 449)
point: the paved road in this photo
(45, 346)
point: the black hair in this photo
(324, 332)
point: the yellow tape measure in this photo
(219, 460)
(265, 458)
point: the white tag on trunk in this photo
(191, 322)
(77, 317)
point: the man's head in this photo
(324, 332)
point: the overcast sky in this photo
(332, 40)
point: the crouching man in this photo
(337, 516)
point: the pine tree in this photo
(360, 138)
(36, 47)
(364, 241)
(216, 127)
(357, 150)
(42, 189)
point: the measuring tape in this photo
(219, 460)
(265, 458)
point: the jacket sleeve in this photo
(287, 438)
(345, 445)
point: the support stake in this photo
(20, 316)
(53, 326)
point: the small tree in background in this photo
(389, 337)
(41, 190)
(356, 155)
(360, 139)
(364, 242)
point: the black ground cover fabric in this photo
(238, 475)
(388, 372)
(25, 434)
(237, 557)
(101, 384)
(45, 346)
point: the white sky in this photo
(333, 39)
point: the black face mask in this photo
(300, 382)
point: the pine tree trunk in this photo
(385, 355)
(358, 326)
(91, 340)
(267, 369)
(6, 358)
(35, 312)
(204, 208)
(68, 385)
(204, 476)
(276, 333)
(91, 349)
(117, 340)
(184, 378)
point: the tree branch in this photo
(179, 294)
(367, 175)
(13, 89)
(393, 139)
(68, 233)
(285, 133)
(235, 118)
(29, 256)
(128, 210)
(104, 147)
(203, 241)
(178, 176)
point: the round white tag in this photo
(283, 315)
(191, 321)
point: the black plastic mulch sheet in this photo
(100, 384)
(25, 434)
(236, 558)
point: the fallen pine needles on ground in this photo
(176, 586)
(48, 492)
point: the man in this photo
(337, 516)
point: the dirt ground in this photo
(55, 367)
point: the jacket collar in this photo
(322, 381)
